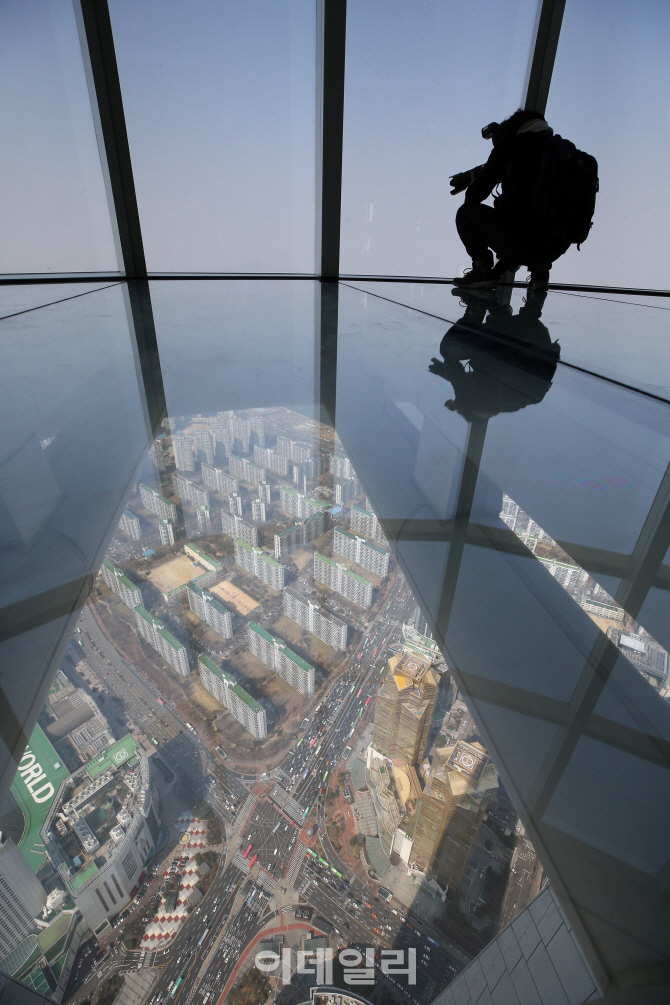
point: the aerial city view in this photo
(254, 772)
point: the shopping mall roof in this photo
(113, 757)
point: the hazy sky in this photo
(220, 101)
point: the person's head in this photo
(497, 131)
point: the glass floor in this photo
(334, 616)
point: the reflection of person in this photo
(510, 226)
(499, 363)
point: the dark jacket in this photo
(514, 164)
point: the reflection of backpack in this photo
(564, 197)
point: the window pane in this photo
(617, 54)
(220, 107)
(55, 214)
(421, 81)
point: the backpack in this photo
(564, 196)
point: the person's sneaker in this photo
(478, 277)
(538, 281)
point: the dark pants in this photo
(481, 228)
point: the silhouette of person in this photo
(509, 227)
(500, 363)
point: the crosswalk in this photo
(244, 813)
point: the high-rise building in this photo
(308, 471)
(341, 466)
(223, 686)
(300, 534)
(22, 896)
(259, 564)
(299, 505)
(203, 442)
(277, 656)
(218, 480)
(258, 510)
(267, 458)
(190, 491)
(204, 515)
(337, 577)
(421, 624)
(241, 431)
(210, 610)
(346, 490)
(257, 426)
(309, 616)
(184, 453)
(117, 581)
(156, 634)
(293, 450)
(235, 504)
(264, 492)
(369, 556)
(236, 527)
(157, 454)
(129, 524)
(158, 504)
(166, 530)
(246, 470)
(363, 521)
(404, 708)
(458, 787)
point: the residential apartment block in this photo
(369, 556)
(258, 514)
(309, 616)
(235, 526)
(210, 610)
(300, 534)
(346, 490)
(184, 454)
(267, 458)
(223, 686)
(129, 524)
(293, 450)
(299, 505)
(246, 470)
(116, 580)
(202, 558)
(156, 634)
(158, 504)
(166, 531)
(189, 491)
(364, 521)
(219, 480)
(342, 580)
(157, 454)
(259, 564)
(341, 466)
(277, 656)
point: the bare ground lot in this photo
(234, 596)
(173, 573)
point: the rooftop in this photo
(113, 757)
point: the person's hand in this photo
(459, 182)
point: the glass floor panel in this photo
(329, 620)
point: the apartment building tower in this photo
(219, 480)
(223, 686)
(184, 454)
(337, 577)
(156, 634)
(294, 450)
(158, 504)
(259, 564)
(190, 491)
(277, 656)
(236, 527)
(300, 534)
(129, 524)
(166, 531)
(246, 470)
(258, 512)
(364, 521)
(312, 619)
(299, 505)
(369, 556)
(118, 582)
(267, 458)
(210, 610)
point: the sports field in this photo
(176, 572)
(232, 595)
(34, 792)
